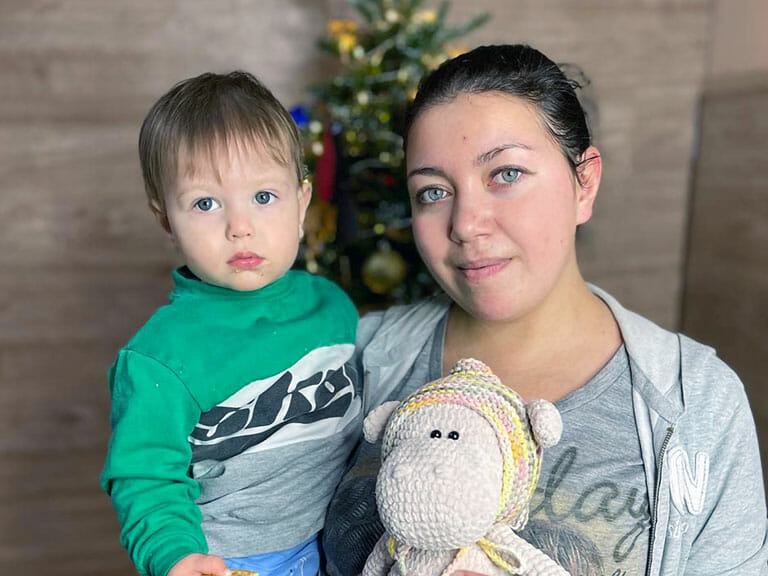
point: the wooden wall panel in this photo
(82, 263)
(726, 289)
(54, 522)
(73, 193)
(89, 60)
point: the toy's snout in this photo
(413, 467)
(444, 460)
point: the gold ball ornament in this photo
(383, 271)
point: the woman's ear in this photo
(589, 170)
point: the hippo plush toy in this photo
(460, 462)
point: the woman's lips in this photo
(245, 261)
(479, 270)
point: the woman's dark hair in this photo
(517, 70)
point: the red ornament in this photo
(325, 170)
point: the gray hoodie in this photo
(697, 437)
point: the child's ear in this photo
(588, 173)
(160, 215)
(305, 196)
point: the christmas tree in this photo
(358, 226)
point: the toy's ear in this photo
(545, 421)
(376, 421)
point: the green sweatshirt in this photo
(257, 380)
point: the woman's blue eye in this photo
(431, 195)
(510, 175)
(206, 204)
(263, 197)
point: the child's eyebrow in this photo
(189, 190)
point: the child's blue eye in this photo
(206, 204)
(431, 195)
(264, 197)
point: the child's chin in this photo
(246, 284)
(241, 280)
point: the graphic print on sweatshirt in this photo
(310, 399)
(591, 511)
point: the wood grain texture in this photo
(726, 288)
(92, 61)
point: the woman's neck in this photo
(549, 352)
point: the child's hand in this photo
(199, 564)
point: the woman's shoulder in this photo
(668, 358)
(707, 379)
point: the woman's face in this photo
(495, 204)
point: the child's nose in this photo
(238, 225)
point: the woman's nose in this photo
(471, 216)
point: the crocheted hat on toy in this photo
(521, 433)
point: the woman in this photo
(658, 470)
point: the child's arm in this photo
(146, 472)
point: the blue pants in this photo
(301, 560)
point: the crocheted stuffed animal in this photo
(460, 462)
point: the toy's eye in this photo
(435, 434)
(453, 435)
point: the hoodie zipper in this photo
(655, 518)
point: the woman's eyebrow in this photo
(486, 157)
(483, 158)
(427, 171)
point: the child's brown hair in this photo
(202, 115)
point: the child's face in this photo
(241, 230)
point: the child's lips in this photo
(245, 261)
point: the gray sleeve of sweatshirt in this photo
(730, 535)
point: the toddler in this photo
(233, 408)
